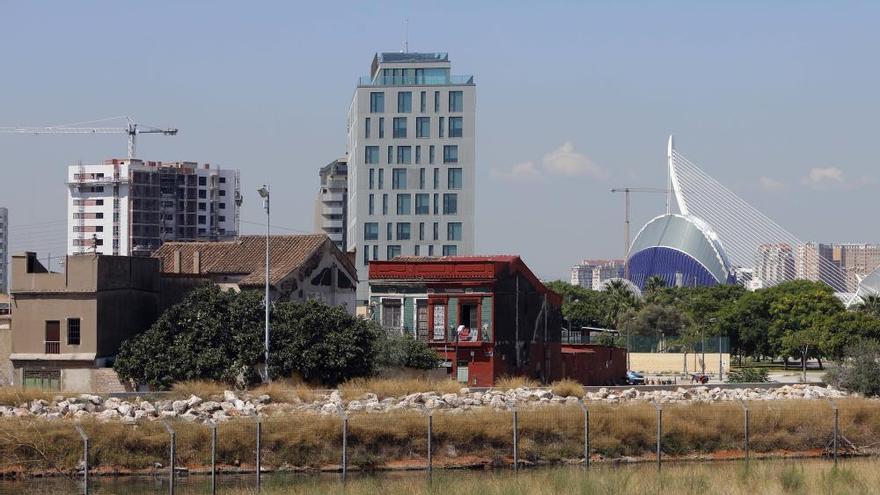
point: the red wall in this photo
(594, 364)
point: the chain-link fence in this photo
(246, 453)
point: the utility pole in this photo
(626, 217)
(264, 193)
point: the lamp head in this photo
(264, 191)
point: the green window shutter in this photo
(452, 312)
(408, 314)
(486, 317)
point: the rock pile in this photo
(234, 404)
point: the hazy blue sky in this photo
(778, 100)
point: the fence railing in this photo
(481, 437)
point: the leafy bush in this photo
(748, 375)
(859, 371)
(403, 351)
(218, 335)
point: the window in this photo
(455, 126)
(421, 231)
(372, 204)
(222, 206)
(393, 252)
(421, 178)
(454, 178)
(203, 206)
(440, 127)
(403, 204)
(381, 178)
(453, 231)
(222, 192)
(436, 101)
(53, 337)
(403, 231)
(384, 204)
(371, 231)
(436, 231)
(203, 194)
(366, 255)
(367, 128)
(202, 219)
(416, 251)
(398, 178)
(221, 218)
(375, 252)
(436, 204)
(203, 181)
(418, 154)
(450, 204)
(436, 178)
(371, 155)
(399, 130)
(377, 102)
(422, 206)
(372, 177)
(388, 227)
(450, 250)
(450, 153)
(423, 127)
(390, 155)
(73, 331)
(223, 180)
(430, 250)
(392, 311)
(381, 127)
(456, 101)
(423, 101)
(431, 154)
(404, 154)
(404, 102)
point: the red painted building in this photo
(487, 316)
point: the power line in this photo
(263, 224)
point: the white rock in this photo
(179, 406)
(193, 401)
(229, 396)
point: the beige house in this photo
(68, 326)
(302, 267)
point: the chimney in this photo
(197, 262)
(176, 262)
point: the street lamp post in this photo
(264, 193)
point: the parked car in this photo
(634, 378)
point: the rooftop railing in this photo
(379, 80)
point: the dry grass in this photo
(288, 390)
(396, 387)
(510, 382)
(206, 389)
(566, 388)
(14, 396)
(547, 435)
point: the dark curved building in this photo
(682, 250)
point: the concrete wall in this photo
(674, 362)
(5, 350)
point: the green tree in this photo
(795, 310)
(401, 350)
(619, 299)
(653, 285)
(658, 320)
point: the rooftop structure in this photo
(331, 207)
(301, 267)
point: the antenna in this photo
(406, 35)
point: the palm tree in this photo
(870, 305)
(620, 299)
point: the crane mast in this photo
(626, 222)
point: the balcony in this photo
(53, 347)
(451, 80)
(331, 210)
(329, 224)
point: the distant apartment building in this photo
(411, 161)
(67, 327)
(841, 266)
(774, 264)
(4, 250)
(591, 273)
(331, 207)
(6, 375)
(130, 206)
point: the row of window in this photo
(454, 178)
(399, 127)
(404, 101)
(422, 207)
(404, 231)
(404, 155)
(371, 253)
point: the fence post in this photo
(259, 436)
(586, 433)
(85, 439)
(171, 457)
(430, 435)
(836, 430)
(746, 414)
(659, 434)
(344, 446)
(213, 427)
(515, 440)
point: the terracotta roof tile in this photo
(246, 256)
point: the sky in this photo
(776, 100)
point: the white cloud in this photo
(563, 161)
(823, 176)
(522, 172)
(770, 184)
(567, 162)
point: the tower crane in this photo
(626, 191)
(132, 129)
